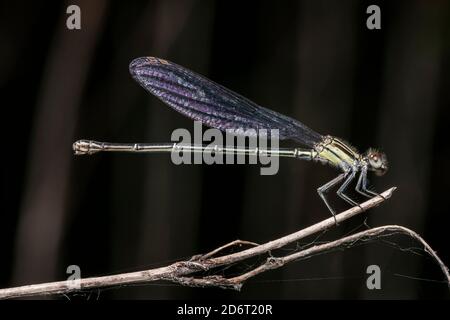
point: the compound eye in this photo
(375, 160)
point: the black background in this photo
(313, 60)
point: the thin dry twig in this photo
(228, 245)
(349, 241)
(183, 272)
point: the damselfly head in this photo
(377, 161)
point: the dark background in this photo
(313, 60)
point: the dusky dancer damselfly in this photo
(218, 107)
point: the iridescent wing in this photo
(214, 105)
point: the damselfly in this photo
(215, 106)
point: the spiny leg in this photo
(344, 186)
(358, 188)
(365, 189)
(321, 191)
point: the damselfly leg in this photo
(323, 189)
(344, 186)
(361, 185)
(348, 177)
(362, 188)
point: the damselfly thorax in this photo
(337, 153)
